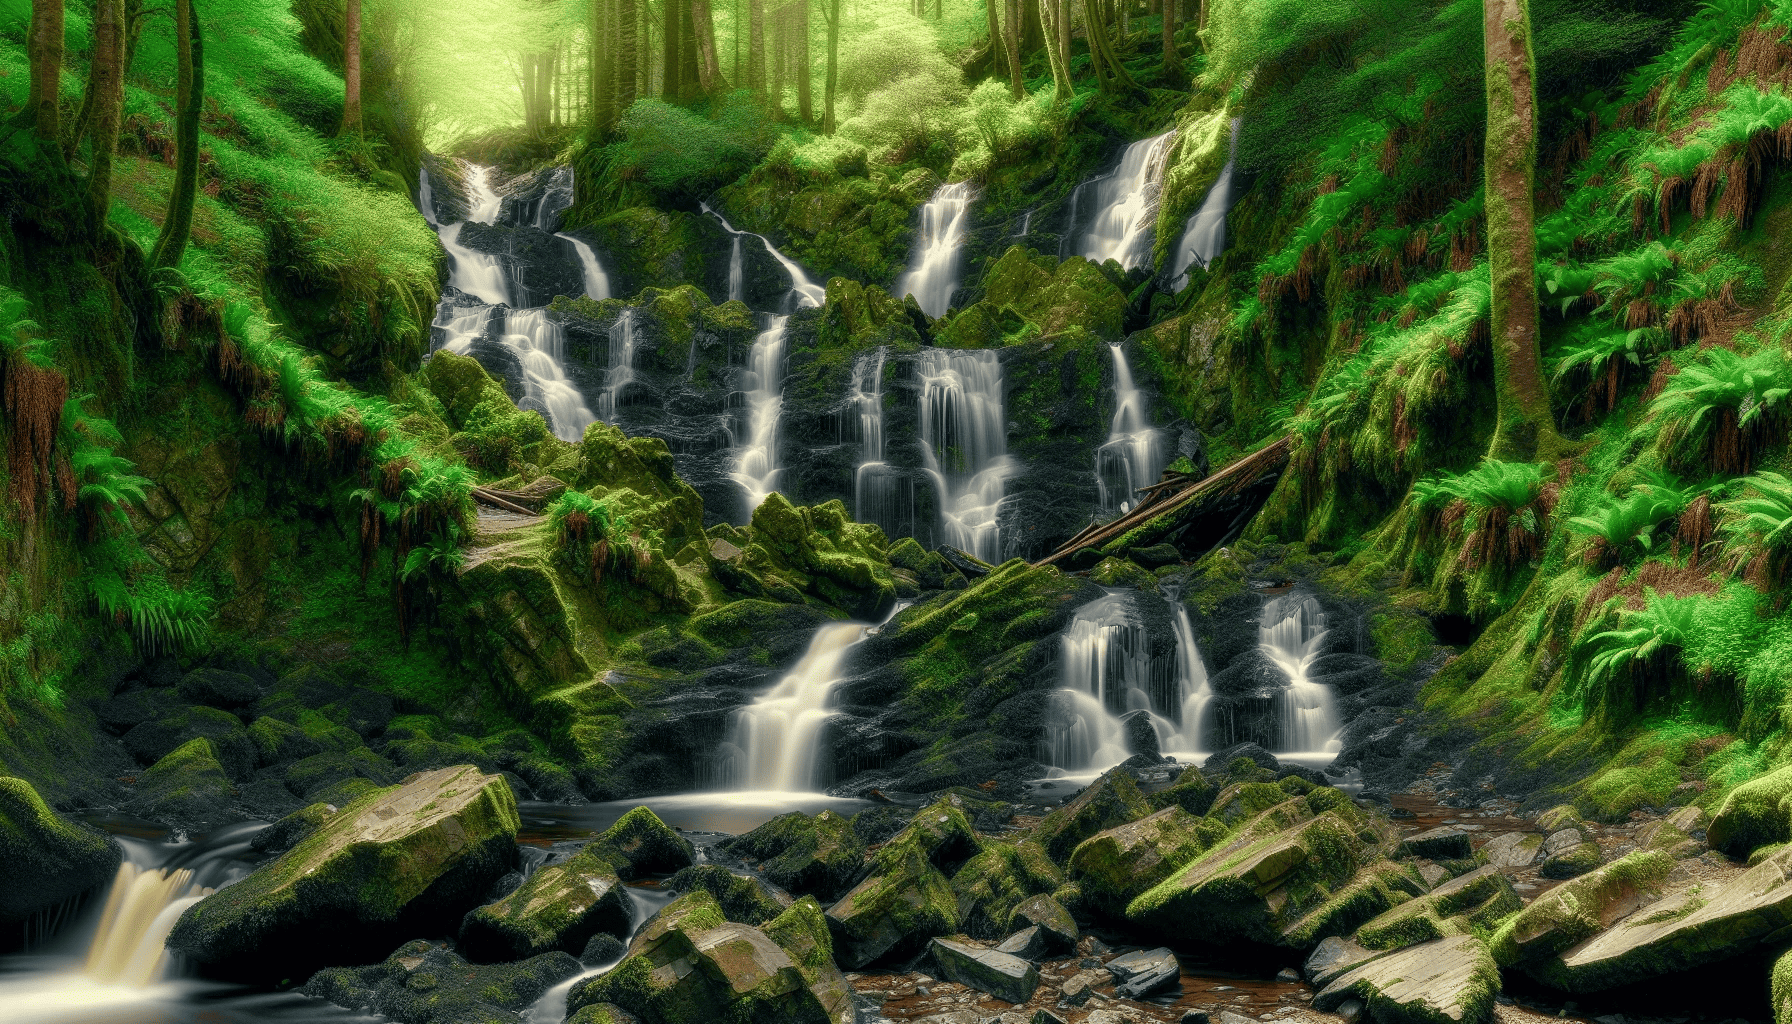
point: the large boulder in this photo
(1191, 791)
(1756, 813)
(743, 898)
(820, 855)
(407, 859)
(641, 844)
(49, 861)
(1478, 901)
(992, 884)
(152, 741)
(1007, 977)
(560, 906)
(1113, 867)
(1450, 980)
(423, 983)
(188, 787)
(802, 932)
(1052, 920)
(692, 964)
(905, 902)
(1577, 910)
(1112, 800)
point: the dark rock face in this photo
(423, 983)
(49, 860)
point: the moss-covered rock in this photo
(641, 844)
(308, 778)
(820, 855)
(410, 857)
(743, 898)
(1577, 910)
(1476, 902)
(286, 833)
(278, 742)
(152, 741)
(802, 931)
(1243, 801)
(423, 983)
(1754, 814)
(560, 906)
(49, 860)
(1191, 791)
(991, 885)
(821, 552)
(1576, 860)
(1110, 801)
(1450, 980)
(895, 911)
(1050, 917)
(188, 787)
(1115, 866)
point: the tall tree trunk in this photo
(689, 84)
(626, 56)
(739, 20)
(646, 50)
(189, 99)
(756, 46)
(44, 49)
(1172, 61)
(605, 48)
(1054, 17)
(671, 52)
(351, 66)
(108, 98)
(1526, 427)
(779, 21)
(805, 78)
(1034, 34)
(939, 10)
(1017, 86)
(709, 63)
(998, 53)
(830, 10)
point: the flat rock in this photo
(1144, 971)
(1450, 980)
(561, 906)
(1562, 841)
(1335, 956)
(1513, 851)
(1446, 842)
(1028, 943)
(1002, 975)
(1058, 927)
(1579, 909)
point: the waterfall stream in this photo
(756, 464)
(1125, 204)
(1104, 664)
(1133, 456)
(964, 444)
(1205, 236)
(875, 486)
(932, 277)
(622, 365)
(1191, 679)
(803, 292)
(1292, 633)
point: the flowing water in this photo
(1292, 634)
(1104, 665)
(622, 366)
(1133, 456)
(1205, 236)
(539, 344)
(803, 292)
(756, 465)
(933, 276)
(1192, 685)
(964, 444)
(876, 487)
(1125, 205)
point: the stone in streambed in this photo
(1481, 899)
(742, 898)
(152, 741)
(1450, 980)
(187, 787)
(802, 932)
(1512, 851)
(992, 884)
(1577, 910)
(1028, 943)
(286, 833)
(1113, 867)
(278, 742)
(48, 860)
(1111, 800)
(408, 858)
(1335, 956)
(560, 906)
(1054, 922)
(1576, 860)
(422, 983)
(1191, 791)
(1679, 834)
(603, 1013)
(641, 844)
(1442, 843)
(1144, 972)
(821, 855)
(218, 688)
(905, 903)
(1002, 975)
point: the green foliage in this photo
(678, 156)
(1759, 523)
(1665, 623)
(1729, 401)
(594, 537)
(161, 618)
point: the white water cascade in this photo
(874, 484)
(1192, 684)
(597, 283)
(1125, 204)
(622, 366)
(1133, 456)
(1292, 633)
(756, 465)
(1104, 664)
(540, 345)
(964, 444)
(555, 198)
(1205, 236)
(803, 292)
(933, 276)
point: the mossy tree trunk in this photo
(671, 46)
(44, 50)
(689, 70)
(1172, 60)
(626, 55)
(107, 84)
(779, 24)
(1055, 17)
(998, 57)
(189, 100)
(709, 64)
(351, 67)
(1017, 86)
(830, 11)
(756, 45)
(1526, 427)
(603, 68)
(805, 86)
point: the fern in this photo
(1757, 526)
(161, 619)
(1666, 623)
(1731, 402)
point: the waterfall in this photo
(539, 344)
(1133, 456)
(933, 276)
(622, 366)
(964, 446)
(1104, 664)
(474, 273)
(1205, 236)
(803, 292)
(1191, 679)
(461, 326)
(426, 197)
(597, 283)
(1026, 225)
(1126, 204)
(756, 468)
(1291, 632)
(555, 198)
(485, 200)
(874, 485)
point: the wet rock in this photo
(1141, 735)
(1445, 981)
(1225, 760)
(136, 707)
(219, 689)
(1678, 834)
(1002, 975)
(1053, 921)
(1156, 556)
(691, 964)
(278, 742)
(1111, 800)
(1754, 814)
(644, 845)
(422, 983)
(49, 860)
(743, 898)
(286, 833)
(1288, 975)
(1144, 972)
(1191, 791)
(1432, 873)
(602, 948)
(188, 787)
(1562, 841)
(1079, 988)
(1443, 843)
(1576, 910)
(942, 833)
(992, 884)
(1481, 899)
(904, 903)
(1194, 1017)
(309, 778)
(603, 1013)
(152, 741)
(561, 906)
(1576, 860)
(1113, 867)
(820, 855)
(1243, 801)
(1045, 1016)
(802, 932)
(1029, 943)
(1563, 816)
(1512, 851)
(405, 858)
(1334, 956)
(1351, 1010)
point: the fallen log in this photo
(486, 497)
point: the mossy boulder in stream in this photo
(48, 860)
(992, 885)
(1450, 980)
(188, 787)
(1756, 813)
(424, 983)
(743, 898)
(820, 855)
(1476, 902)
(1577, 910)
(818, 552)
(560, 906)
(1110, 801)
(1111, 868)
(641, 844)
(405, 859)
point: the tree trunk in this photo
(1055, 20)
(1065, 87)
(45, 54)
(1172, 62)
(689, 77)
(830, 10)
(740, 11)
(1017, 85)
(756, 46)
(805, 84)
(189, 100)
(939, 10)
(107, 101)
(603, 68)
(351, 66)
(1526, 427)
(998, 53)
(1034, 33)
(626, 56)
(671, 52)
(709, 63)
(777, 56)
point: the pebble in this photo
(1288, 974)
(1242, 999)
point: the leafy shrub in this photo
(1729, 402)
(679, 156)
(1757, 527)
(594, 537)
(1498, 509)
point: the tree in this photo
(1017, 87)
(1526, 427)
(830, 12)
(671, 52)
(626, 50)
(756, 46)
(1055, 17)
(189, 99)
(780, 42)
(805, 86)
(709, 66)
(603, 68)
(1172, 61)
(44, 49)
(351, 67)
(998, 56)
(106, 101)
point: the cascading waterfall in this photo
(933, 276)
(1292, 633)
(875, 486)
(737, 278)
(622, 366)
(1192, 683)
(1105, 667)
(803, 292)
(1133, 456)
(964, 446)
(540, 345)
(1026, 225)
(1205, 236)
(597, 283)
(757, 466)
(555, 198)
(1126, 204)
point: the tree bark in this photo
(709, 63)
(805, 79)
(189, 100)
(671, 52)
(107, 101)
(998, 52)
(1017, 86)
(1172, 61)
(351, 66)
(626, 56)
(1055, 19)
(44, 50)
(1526, 426)
(603, 68)
(830, 10)
(779, 22)
(756, 46)
(689, 69)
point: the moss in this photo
(990, 885)
(1754, 814)
(1243, 801)
(1112, 800)
(560, 906)
(1191, 791)
(50, 860)
(900, 907)
(1477, 902)
(1114, 866)
(803, 854)
(1576, 910)
(802, 931)
(187, 785)
(645, 844)
(743, 898)
(1579, 860)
